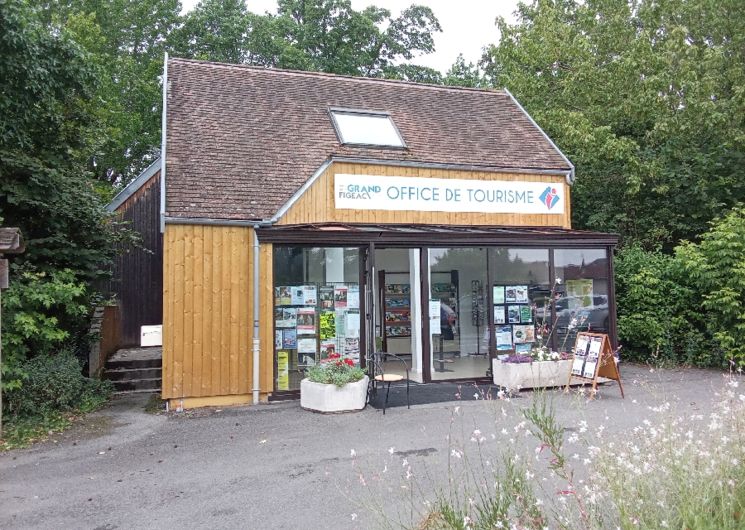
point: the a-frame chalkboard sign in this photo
(593, 358)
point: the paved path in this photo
(277, 466)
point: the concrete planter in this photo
(515, 376)
(330, 398)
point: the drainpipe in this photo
(256, 340)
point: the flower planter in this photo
(331, 398)
(515, 376)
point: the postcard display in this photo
(397, 307)
(513, 318)
(311, 322)
(593, 358)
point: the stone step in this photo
(130, 392)
(126, 374)
(133, 363)
(137, 384)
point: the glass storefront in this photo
(520, 299)
(316, 309)
(481, 303)
(583, 304)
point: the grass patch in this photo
(155, 405)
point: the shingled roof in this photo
(241, 140)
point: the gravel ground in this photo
(277, 466)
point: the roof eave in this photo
(132, 188)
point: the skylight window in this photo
(366, 128)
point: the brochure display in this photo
(312, 322)
(593, 359)
(513, 318)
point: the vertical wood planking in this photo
(206, 318)
(266, 318)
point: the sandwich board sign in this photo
(593, 359)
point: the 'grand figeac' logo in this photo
(358, 191)
(549, 197)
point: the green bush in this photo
(55, 383)
(688, 307)
(336, 370)
(659, 319)
(716, 268)
(42, 313)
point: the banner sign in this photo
(370, 192)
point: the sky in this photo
(467, 25)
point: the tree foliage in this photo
(646, 98)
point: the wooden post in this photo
(11, 242)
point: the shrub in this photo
(41, 314)
(54, 383)
(336, 370)
(716, 267)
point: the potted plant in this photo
(336, 384)
(538, 368)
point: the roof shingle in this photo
(241, 140)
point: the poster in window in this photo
(340, 297)
(352, 325)
(297, 293)
(579, 293)
(434, 317)
(523, 334)
(341, 322)
(285, 317)
(498, 294)
(504, 337)
(306, 345)
(526, 314)
(327, 325)
(499, 317)
(352, 347)
(282, 295)
(306, 321)
(523, 348)
(283, 370)
(326, 294)
(513, 314)
(306, 359)
(289, 339)
(353, 297)
(278, 339)
(310, 295)
(328, 348)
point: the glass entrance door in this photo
(459, 324)
(397, 309)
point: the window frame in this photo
(333, 111)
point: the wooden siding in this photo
(137, 276)
(316, 205)
(208, 312)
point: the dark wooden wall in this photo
(137, 280)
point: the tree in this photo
(316, 35)
(215, 30)
(462, 74)
(48, 129)
(127, 41)
(645, 97)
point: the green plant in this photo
(41, 314)
(53, 384)
(336, 370)
(716, 265)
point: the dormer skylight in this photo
(366, 128)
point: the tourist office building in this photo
(304, 214)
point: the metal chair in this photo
(376, 371)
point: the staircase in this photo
(135, 370)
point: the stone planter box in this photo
(515, 376)
(330, 398)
